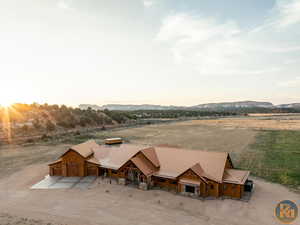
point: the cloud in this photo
(148, 3)
(194, 29)
(201, 42)
(214, 47)
(205, 44)
(290, 83)
(288, 12)
(64, 4)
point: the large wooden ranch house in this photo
(191, 172)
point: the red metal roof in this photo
(150, 153)
(166, 162)
(85, 149)
(235, 176)
(144, 165)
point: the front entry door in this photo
(133, 176)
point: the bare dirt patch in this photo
(16, 157)
(126, 205)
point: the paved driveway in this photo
(55, 182)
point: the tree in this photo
(36, 124)
(50, 126)
(25, 128)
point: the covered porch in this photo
(190, 187)
(136, 172)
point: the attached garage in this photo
(73, 164)
(233, 182)
(77, 161)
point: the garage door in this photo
(92, 171)
(56, 171)
(72, 169)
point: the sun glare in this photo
(5, 104)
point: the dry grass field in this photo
(256, 123)
(249, 145)
(190, 134)
(267, 146)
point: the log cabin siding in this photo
(73, 164)
(212, 189)
(91, 169)
(113, 173)
(165, 183)
(232, 190)
(242, 189)
(123, 171)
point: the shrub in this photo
(50, 126)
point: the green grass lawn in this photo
(275, 156)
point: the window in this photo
(224, 187)
(114, 172)
(211, 186)
(174, 182)
(189, 189)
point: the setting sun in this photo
(5, 104)
(15, 91)
(6, 101)
(149, 112)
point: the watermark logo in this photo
(286, 211)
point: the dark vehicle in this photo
(249, 185)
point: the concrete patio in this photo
(58, 182)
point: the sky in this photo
(168, 52)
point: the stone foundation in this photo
(188, 194)
(143, 186)
(121, 181)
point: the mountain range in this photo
(210, 106)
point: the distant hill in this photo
(141, 107)
(94, 107)
(207, 106)
(242, 104)
(292, 105)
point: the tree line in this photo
(37, 118)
